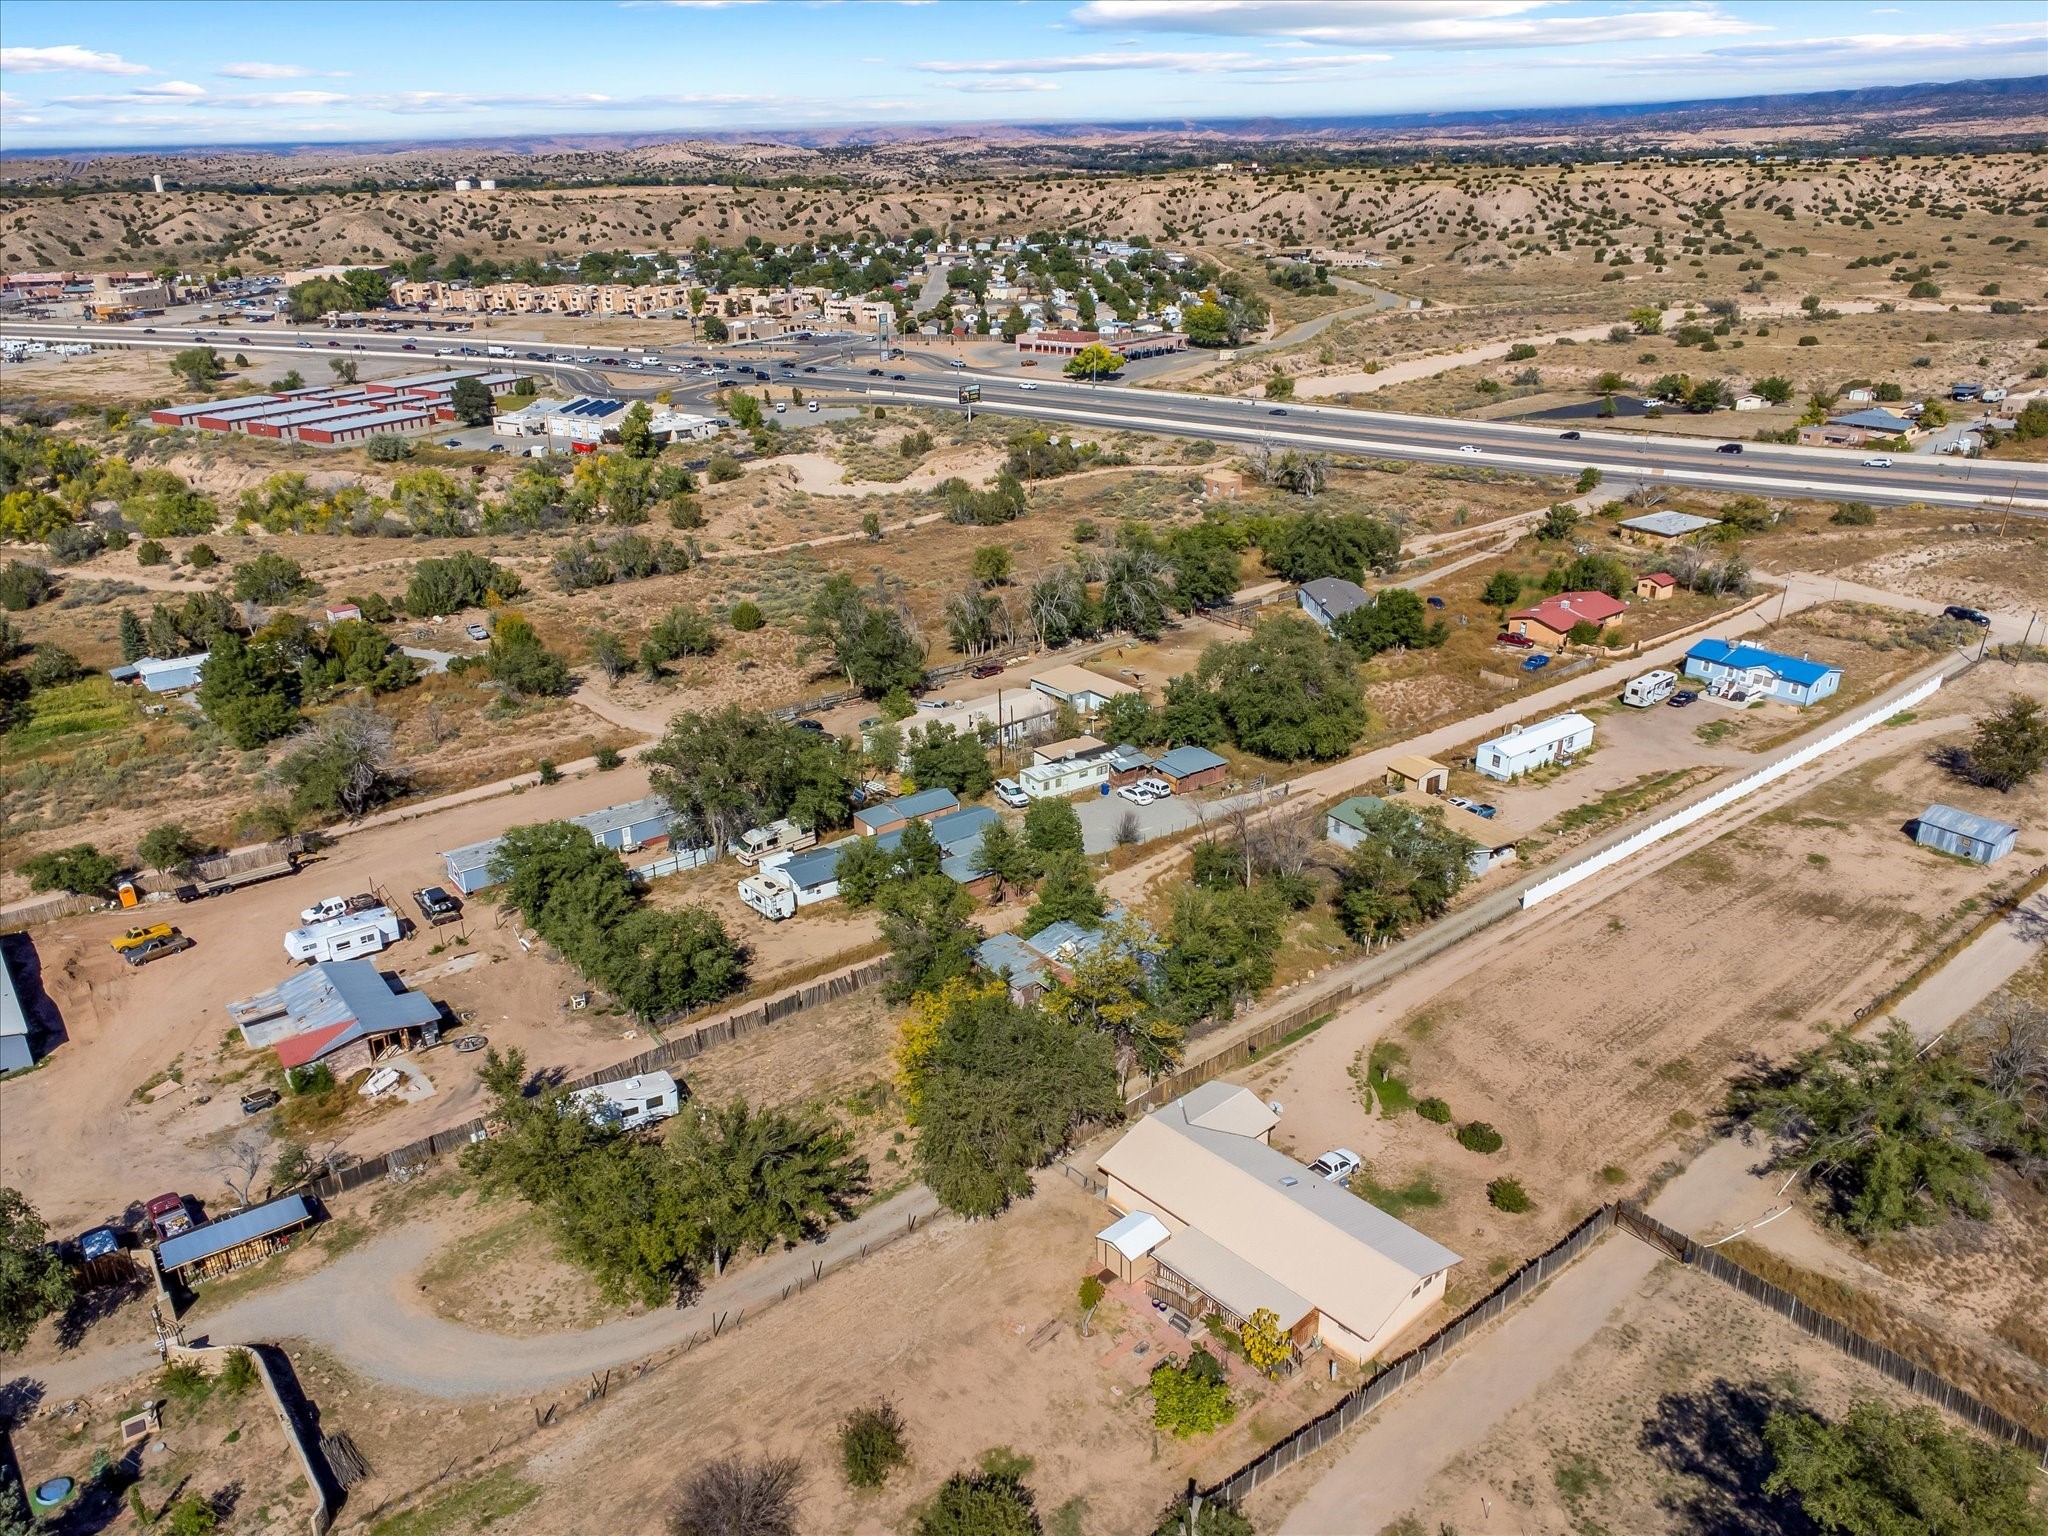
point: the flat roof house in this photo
(1328, 598)
(1086, 691)
(1066, 767)
(1003, 718)
(1550, 621)
(346, 1013)
(1250, 1227)
(1969, 836)
(1735, 671)
(1665, 527)
(1528, 747)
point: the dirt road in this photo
(365, 1309)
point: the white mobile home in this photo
(631, 1101)
(338, 938)
(1526, 748)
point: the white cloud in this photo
(66, 57)
(1174, 63)
(283, 99)
(1876, 49)
(1414, 23)
(257, 71)
(997, 85)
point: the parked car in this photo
(437, 906)
(1476, 807)
(1509, 637)
(1967, 615)
(168, 1216)
(138, 936)
(1729, 448)
(1011, 793)
(1680, 699)
(1137, 794)
(1535, 663)
(330, 907)
(1435, 602)
(1337, 1165)
(806, 723)
(452, 442)
(987, 669)
(156, 949)
(477, 632)
(1158, 788)
(262, 1099)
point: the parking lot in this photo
(1101, 814)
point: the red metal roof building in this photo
(1550, 621)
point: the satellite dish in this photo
(1274, 1105)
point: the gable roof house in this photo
(1251, 1227)
(1550, 621)
(1748, 671)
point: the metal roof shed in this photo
(469, 867)
(243, 1238)
(1969, 836)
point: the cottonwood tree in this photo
(752, 1177)
(1289, 692)
(732, 769)
(1406, 870)
(34, 1280)
(1109, 989)
(873, 645)
(349, 766)
(925, 923)
(1882, 1471)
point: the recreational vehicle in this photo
(1650, 688)
(631, 1101)
(339, 938)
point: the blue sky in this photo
(180, 73)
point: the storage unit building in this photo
(1729, 668)
(353, 429)
(1188, 769)
(1969, 836)
(16, 1054)
(894, 815)
(1528, 747)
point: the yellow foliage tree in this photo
(918, 1036)
(1265, 1346)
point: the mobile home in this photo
(338, 938)
(631, 1101)
(1526, 748)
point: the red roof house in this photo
(1552, 619)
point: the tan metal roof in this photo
(1347, 1258)
(1071, 679)
(1230, 1279)
(1416, 767)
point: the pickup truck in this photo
(437, 906)
(337, 906)
(169, 1217)
(135, 938)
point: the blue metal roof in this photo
(958, 827)
(1793, 669)
(923, 803)
(1001, 953)
(244, 1226)
(1183, 762)
(620, 818)
(1978, 829)
(814, 866)
(1872, 421)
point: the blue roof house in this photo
(1729, 669)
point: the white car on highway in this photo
(1877, 463)
(1027, 384)
(1468, 448)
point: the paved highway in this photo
(1765, 469)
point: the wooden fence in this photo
(1937, 1389)
(663, 1057)
(1327, 1426)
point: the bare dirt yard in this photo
(1655, 1425)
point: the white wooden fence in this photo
(1721, 799)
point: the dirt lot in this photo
(1654, 1426)
(1643, 1001)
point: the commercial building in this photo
(344, 1013)
(1328, 598)
(685, 426)
(1745, 672)
(1086, 691)
(341, 413)
(1550, 621)
(529, 420)
(1968, 836)
(1526, 748)
(1065, 343)
(1249, 1228)
(587, 418)
(1665, 527)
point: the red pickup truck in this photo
(169, 1217)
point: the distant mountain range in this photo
(1991, 113)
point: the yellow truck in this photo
(135, 938)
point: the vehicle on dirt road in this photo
(1680, 699)
(1967, 615)
(437, 906)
